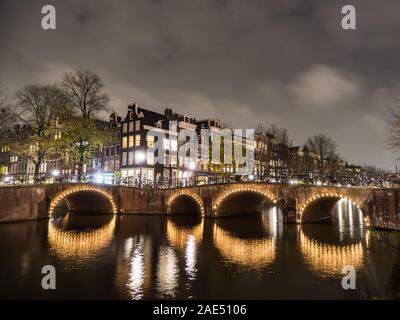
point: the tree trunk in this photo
(37, 170)
(81, 164)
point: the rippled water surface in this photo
(139, 257)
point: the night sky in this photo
(246, 62)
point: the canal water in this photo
(185, 257)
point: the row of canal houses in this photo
(127, 157)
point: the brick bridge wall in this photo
(381, 206)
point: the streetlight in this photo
(191, 167)
(99, 177)
(140, 157)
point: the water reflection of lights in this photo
(252, 253)
(350, 218)
(350, 214)
(77, 243)
(178, 236)
(340, 220)
(190, 257)
(137, 269)
(186, 238)
(167, 272)
(271, 221)
(329, 259)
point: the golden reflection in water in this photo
(178, 236)
(137, 269)
(187, 239)
(167, 272)
(73, 243)
(252, 253)
(329, 259)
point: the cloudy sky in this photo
(247, 62)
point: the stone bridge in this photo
(298, 203)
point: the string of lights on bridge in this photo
(221, 198)
(195, 197)
(64, 196)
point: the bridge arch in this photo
(242, 199)
(85, 198)
(319, 207)
(185, 201)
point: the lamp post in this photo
(140, 157)
(55, 173)
(191, 167)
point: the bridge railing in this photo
(196, 181)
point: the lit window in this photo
(150, 158)
(131, 141)
(124, 142)
(137, 140)
(137, 125)
(150, 141)
(124, 158)
(166, 144)
(130, 158)
(124, 127)
(174, 145)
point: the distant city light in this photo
(192, 166)
(55, 173)
(251, 177)
(99, 178)
(140, 157)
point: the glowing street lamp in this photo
(192, 166)
(99, 177)
(55, 173)
(140, 157)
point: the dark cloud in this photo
(246, 62)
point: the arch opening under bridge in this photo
(242, 200)
(185, 202)
(320, 208)
(83, 199)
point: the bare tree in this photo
(83, 88)
(37, 110)
(393, 136)
(3, 96)
(325, 149)
(5, 116)
(6, 124)
(281, 134)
